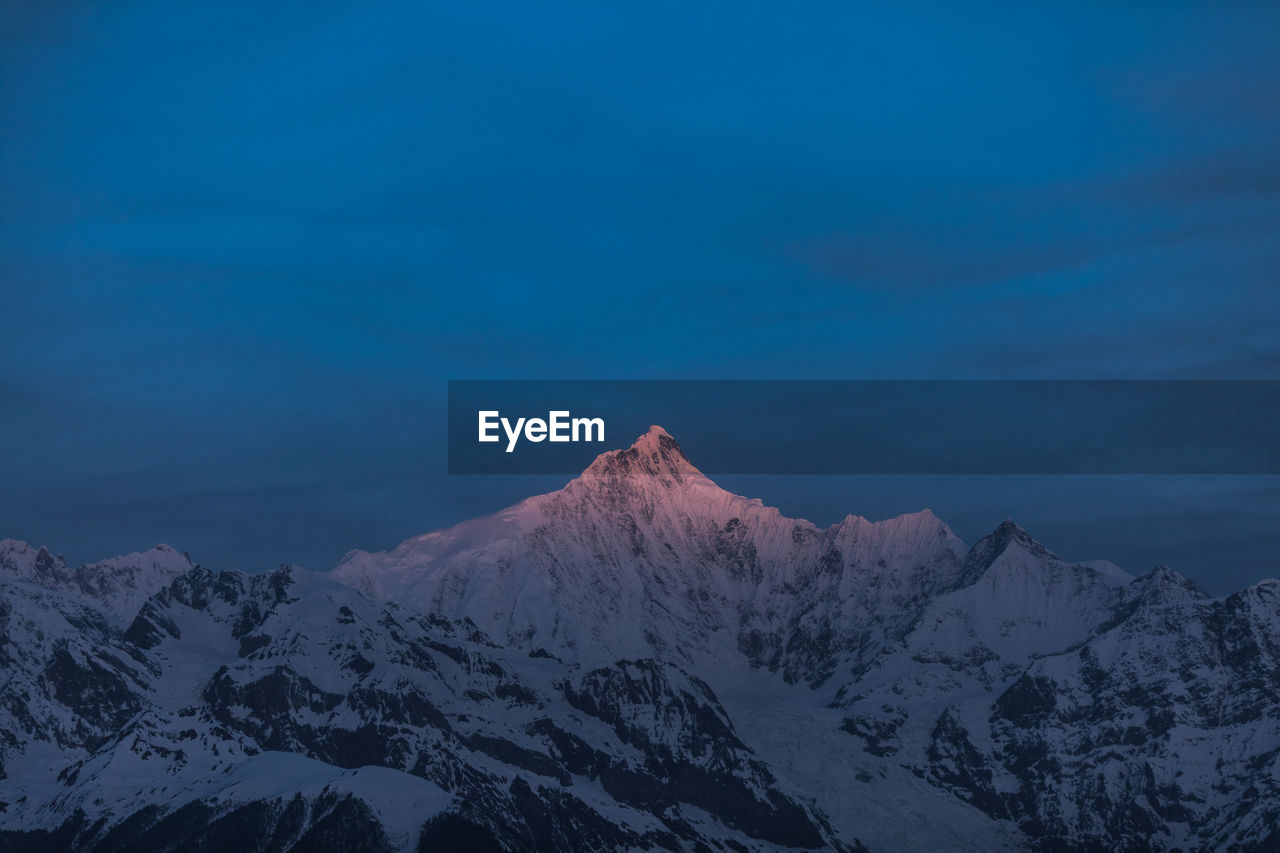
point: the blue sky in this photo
(242, 249)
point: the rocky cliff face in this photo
(640, 660)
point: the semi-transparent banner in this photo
(873, 427)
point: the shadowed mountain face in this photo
(640, 660)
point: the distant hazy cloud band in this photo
(888, 427)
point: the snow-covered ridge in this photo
(643, 554)
(640, 660)
(118, 586)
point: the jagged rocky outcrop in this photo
(640, 660)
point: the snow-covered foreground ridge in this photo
(640, 660)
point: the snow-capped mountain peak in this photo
(118, 586)
(1162, 585)
(653, 455)
(35, 565)
(643, 553)
(1007, 538)
(122, 584)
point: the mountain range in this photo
(639, 661)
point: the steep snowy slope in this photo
(67, 678)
